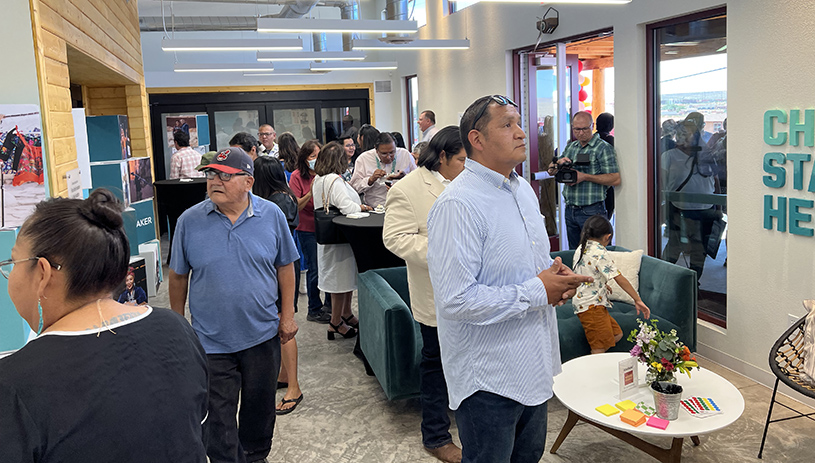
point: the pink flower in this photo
(636, 351)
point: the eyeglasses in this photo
(582, 129)
(223, 175)
(7, 266)
(500, 99)
(265, 134)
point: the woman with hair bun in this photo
(102, 381)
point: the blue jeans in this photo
(494, 429)
(576, 216)
(435, 421)
(308, 244)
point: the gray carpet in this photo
(345, 417)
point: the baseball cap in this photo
(206, 158)
(231, 160)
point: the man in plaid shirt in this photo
(586, 197)
(186, 159)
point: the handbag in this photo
(325, 230)
(715, 238)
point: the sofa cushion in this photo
(628, 263)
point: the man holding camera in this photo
(595, 166)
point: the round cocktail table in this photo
(590, 381)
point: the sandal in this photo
(348, 322)
(286, 411)
(349, 333)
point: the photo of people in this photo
(21, 172)
(132, 295)
(184, 123)
(124, 133)
(140, 179)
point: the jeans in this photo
(435, 421)
(494, 429)
(308, 243)
(250, 374)
(576, 216)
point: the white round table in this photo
(591, 381)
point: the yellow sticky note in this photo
(625, 405)
(607, 410)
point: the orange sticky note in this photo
(633, 417)
(625, 405)
(607, 410)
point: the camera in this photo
(565, 171)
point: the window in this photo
(460, 4)
(412, 92)
(417, 11)
(689, 146)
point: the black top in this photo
(288, 205)
(139, 395)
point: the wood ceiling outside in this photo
(596, 52)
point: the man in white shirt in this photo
(427, 122)
(185, 159)
(267, 137)
(377, 169)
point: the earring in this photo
(39, 310)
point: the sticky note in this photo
(607, 410)
(658, 423)
(633, 417)
(625, 405)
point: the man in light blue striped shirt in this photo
(495, 285)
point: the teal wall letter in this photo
(779, 172)
(796, 217)
(769, 137)
(780, 214)
(798, 160)
(807, 128)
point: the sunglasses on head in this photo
(500, 99)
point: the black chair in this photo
(786, 361)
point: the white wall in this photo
(18, 81)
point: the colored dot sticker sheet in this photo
(701, 407)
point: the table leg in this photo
(571, 420)
(675, 454)
(695, 440)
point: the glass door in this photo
(226, 122)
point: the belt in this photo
(587, 205)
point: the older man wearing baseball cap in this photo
(234, 250)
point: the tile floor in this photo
(345, 417)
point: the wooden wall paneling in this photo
(56, 73)
(598, 92)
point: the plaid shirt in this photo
(184, 162)
(603, 161)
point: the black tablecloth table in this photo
(173, 197)
(365, 237)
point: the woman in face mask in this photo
(300, 183)
(101, 379)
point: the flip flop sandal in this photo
(286, 411)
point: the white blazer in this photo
(405, 234)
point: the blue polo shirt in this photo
(233, 285)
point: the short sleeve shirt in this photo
(598, 264)
(233, 281)
(301, 187)
(603, 161)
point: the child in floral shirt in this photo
(591, 301)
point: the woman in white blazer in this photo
(337, 268)
(405, 234)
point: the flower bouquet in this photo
(662, 352)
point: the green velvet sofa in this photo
(670, 291)
(392, 343)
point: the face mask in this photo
(311, 163)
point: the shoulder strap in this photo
(690, 174)
(325, 203)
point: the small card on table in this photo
(628, 377)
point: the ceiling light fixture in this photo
(311, 56)
(433, 44)
(230, 44)
(390, 26)
(286, 72)
(366, 66)
(221, 67)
